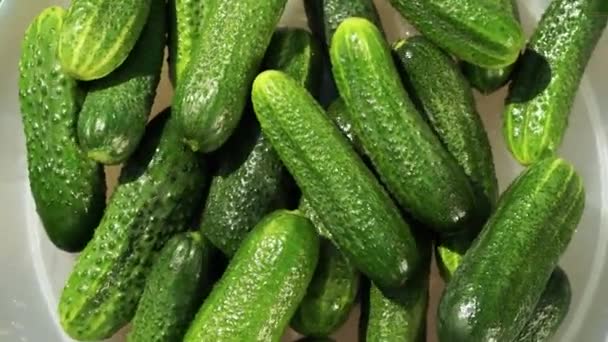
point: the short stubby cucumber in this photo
(263, 285)
(548, 76)
(157, 195)
(446, 100)
(116, 109)
(501, 278)
(210, 98)
(251, 180)
(185, 21)
(478, 32)
(411, 161)
(330, 296)
(98, 35)
(68, 188)
(324, 16)
(488, 80)
(363, 221)
(174, 290)
(550, 310)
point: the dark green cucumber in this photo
(330, 296)
(174, 290)
(324, 16)
(185, 21)
(550, 311)
(158, 192)
(502, 276)
(251, 180)
(364, 223)
(488, 80)
(446, 100)
(411, 161)
(98, 35)
(263, 285)
(478, 32)
(548, 76)
(398, 314)
(68, 188)
(210, 98)
(115, 111)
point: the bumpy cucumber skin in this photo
(364, 223)
(158, 192)
(548, 76)
(488, 80)
(185, 21)
(115, 111)
(504, 273)
(330, 296)
(337, 112)
(447, 102)
(325, 16)
(411, 161)
(210, 98)
(68, 188)
(263, 285)
(251, 180)
(98, 35)
(174, 290)
(481, 33)
(550, 311)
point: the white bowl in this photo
(32, 271)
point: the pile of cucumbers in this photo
(298, 175)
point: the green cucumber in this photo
(174, 290)
(398, 314)
(251, 180)
(446, 100)
(450, 250)
(337, 112)
(185, 21)
(159, 189)
(324, 16)
(502, 276)
(210, 98)
(364, 223)
(488, 80)
(330, 296)
(306, 209)
(116, 109)
(263, 285)
(98, 35)
(68, 188)
(548, 76)
(550, 311)
(478, 32)
(411, 161)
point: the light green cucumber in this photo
(185, 21)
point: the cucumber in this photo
(174, 290)
(98, 35)
(324, 16)
(306, 209)
(265, 281)
(330, 296)
(488, 80)
(210, 98)
(501, 278)
(337, 112)
(449, 252)
(115, 111)
(398, 314)
(478, 32)
(364, 223)
(68, 188)
(446, 100)
(550, 310)
(251, 180)
(159, 189)
(185, 21)
(411, 161)
(548, 76)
